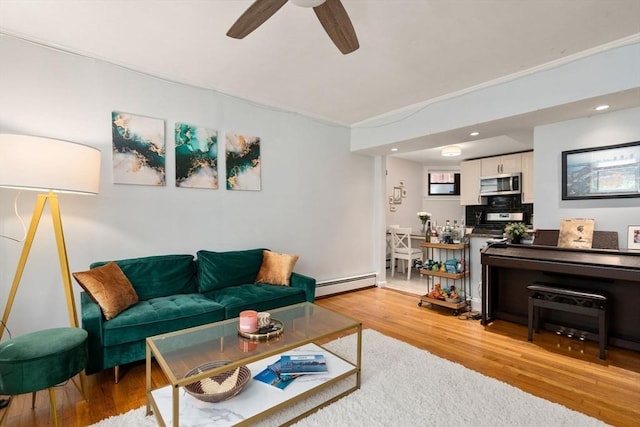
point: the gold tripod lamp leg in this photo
(62, 256)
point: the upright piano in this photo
(507, 270)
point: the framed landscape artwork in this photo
(601, 172)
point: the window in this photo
(444, 184)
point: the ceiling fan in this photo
(331, 14)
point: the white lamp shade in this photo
(44, 164)
(451, 151)
(307, 3)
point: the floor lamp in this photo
(52, 166)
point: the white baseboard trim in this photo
(345, 284)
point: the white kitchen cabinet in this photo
(527, 177)
(509, 163)
(470, 182)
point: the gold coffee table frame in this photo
(178, 352)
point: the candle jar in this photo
(248, 321)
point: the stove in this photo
(494, 222)
(491, 217)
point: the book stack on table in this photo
(289, 367)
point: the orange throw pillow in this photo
(109, 288)
(276, 268)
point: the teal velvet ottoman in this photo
(41, 360)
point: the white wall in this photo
(410, 172)
(415, 176)
(549, 143)
(317, 198)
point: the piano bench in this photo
(568, 300)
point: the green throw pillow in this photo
(160, 275)
(217, 270)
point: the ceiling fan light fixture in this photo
(307, 3)
(450, 151)
(331, 13)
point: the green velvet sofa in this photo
(177, 292)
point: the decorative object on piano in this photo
(516, 231)
(576, 233)
(634, 237)
(601, 172)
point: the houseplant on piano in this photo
(515, 231)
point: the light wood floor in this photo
(608, 390)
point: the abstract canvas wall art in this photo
(196, 156)
(243, 162)
(138, 149)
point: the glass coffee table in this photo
(306, 327)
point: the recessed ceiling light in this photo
(601, 107)
(474, 134)
(394, 149)
(451, 151)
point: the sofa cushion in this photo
(276, 268)
(159, 276)
(217, 270)
(161, 315)
(256, 297)
(109, 288)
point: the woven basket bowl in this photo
(224, 389)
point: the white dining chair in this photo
(401, 249)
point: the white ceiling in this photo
(410, 51)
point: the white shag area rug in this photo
(405, 386)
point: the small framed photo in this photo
(397, 195)
(404, 193)
(634, 237)
(402, 183)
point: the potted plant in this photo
(515, 231)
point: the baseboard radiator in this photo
(345, 284)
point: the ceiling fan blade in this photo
(337, 24)
(253, 17)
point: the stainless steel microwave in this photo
(501, 184)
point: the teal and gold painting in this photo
(138, 149)
(196, 156)
(243, 162)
